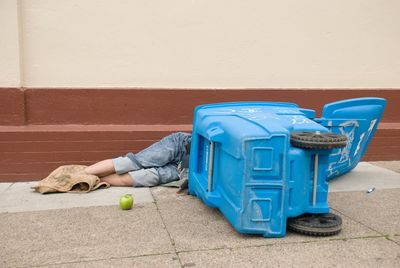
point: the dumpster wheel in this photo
(316, 224)
(317, 140)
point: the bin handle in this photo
(315, 181)
(210, 166)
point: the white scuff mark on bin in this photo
(224, 111)
(366, 136)
(343, 153)
(257, 114)
(257, 212)
(261, 117)
(250, 110)
(371, 126)
(300, 120)
(283, 111)
(359, 144)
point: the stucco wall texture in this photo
(9, 44)
(200, 44)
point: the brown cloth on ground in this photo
(70, 178)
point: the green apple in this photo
(126, 202)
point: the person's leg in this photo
(150, 177)
(167, 173)
(169, 150)
(118, 180)
(101, 169)
(151, 166)
(106, 171)
(119, 166)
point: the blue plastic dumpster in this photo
(242, 160)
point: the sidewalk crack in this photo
(166, 229)
(101, 259)
(9, 186)
(387, 236)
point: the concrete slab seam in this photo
(9, 186)
(363, 224)
(105, 259)
(388, 237)
(284, 243)
(205, 250)
(166, 229)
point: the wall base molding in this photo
(41, 129)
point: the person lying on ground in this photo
(162, 162)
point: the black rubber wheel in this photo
(317, 140)
(316, 224)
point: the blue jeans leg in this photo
(163, 155)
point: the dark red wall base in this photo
(31, 152)
(41, 129)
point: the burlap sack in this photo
(69, 178)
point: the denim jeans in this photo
(158, 163)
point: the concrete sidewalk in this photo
(169, 230)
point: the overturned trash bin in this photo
(262, 163)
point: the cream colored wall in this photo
(9, 44)
(211, 44)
